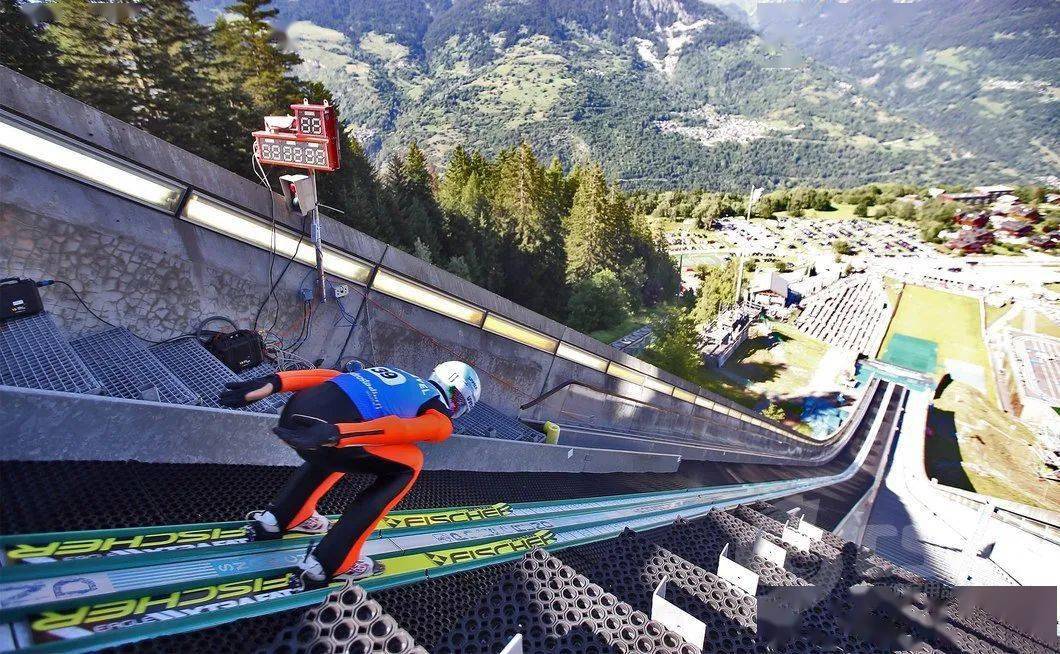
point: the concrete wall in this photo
(48, 425)
(160, 275)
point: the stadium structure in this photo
(665, 519)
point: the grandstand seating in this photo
(34, 353)
(847, 314)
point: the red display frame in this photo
(315, 120)
(265, 150)
(312, 143)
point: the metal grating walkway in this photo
(203, 373)
(128, 369)
(35, 354)
(486, 421)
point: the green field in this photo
(951, 321)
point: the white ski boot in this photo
(314, 576)
(264, 525)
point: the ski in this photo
(124, 547)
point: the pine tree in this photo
(559, 188)
(717, 291)
(356, 190)
(487, 248)
(457, 171)
(167, 55)
(676, 344)
(534, 230)
(250, 60)
(417, 171)
(598, 224)
(421, 209)
(411, 204)
(25, 48)
(87, 46)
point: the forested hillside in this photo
(984, 75)
(665, 93)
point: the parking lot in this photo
(792, 236)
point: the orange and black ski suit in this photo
(384, 446)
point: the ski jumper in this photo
(380, 413)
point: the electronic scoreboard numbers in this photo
(315, 120)
(311, 142)
(280, 149)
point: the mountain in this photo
(982, 74)
(663, 92)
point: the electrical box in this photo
(299, 192)
(18, 298)
(239, 350)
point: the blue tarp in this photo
(823, 414)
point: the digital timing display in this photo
(310, 140)
(311, 123)
(291, 152)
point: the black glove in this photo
(308, 433)
(236, 395)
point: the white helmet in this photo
(459, 382)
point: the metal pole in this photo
(739, 279)
(318, 244)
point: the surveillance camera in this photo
(279, 123)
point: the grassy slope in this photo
(993, 313)
(1043, 325)
(756, 369)
(991, 453)
(950, 320)
(632, 323)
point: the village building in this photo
(977, 199)
(972, 219)
(1045, 241)
(971, 240)
(994, 192)
(1014, 229)
(1026, 213)
(769, 289)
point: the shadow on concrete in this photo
(942, 451)
(892, 533)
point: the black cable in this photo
(307, 324)
(272, 289)
(210, 319)
(349, 334)
(48, 282)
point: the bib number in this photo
(387, 376)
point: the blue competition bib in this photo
(379, 392)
